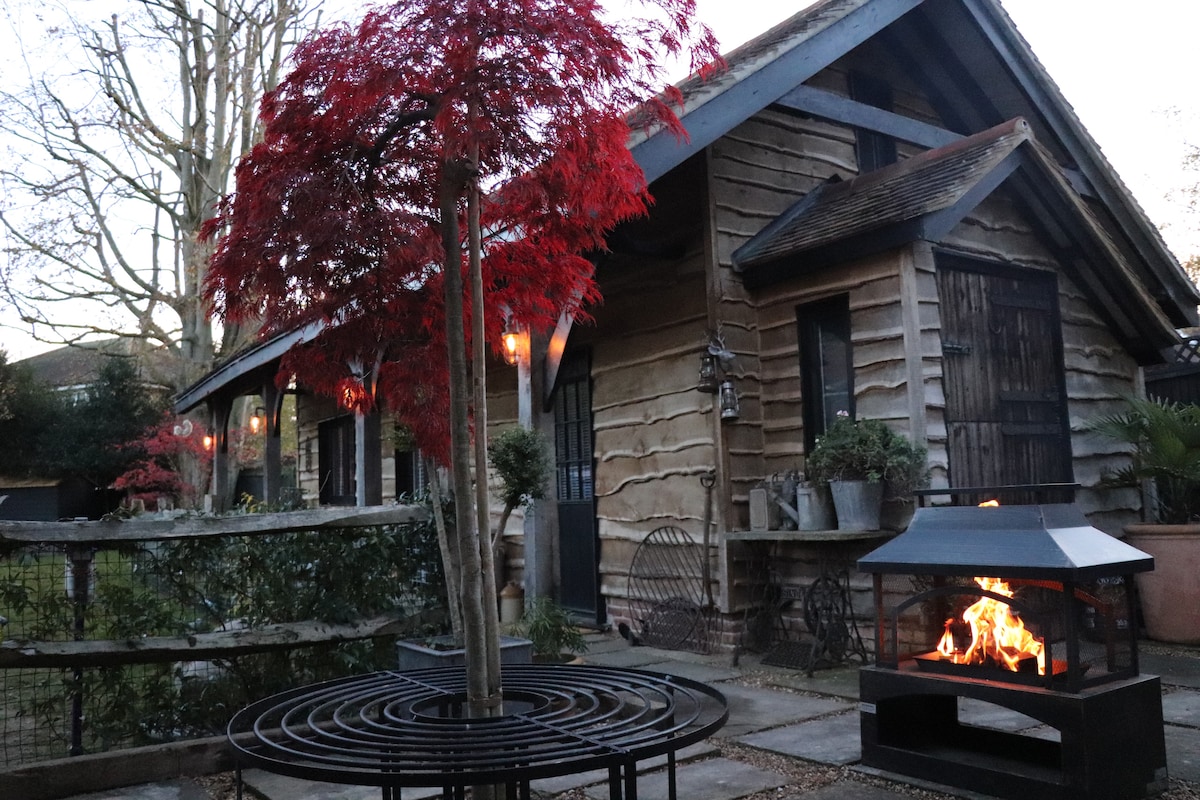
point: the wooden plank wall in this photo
(757, 171)
(653, 429)
(1099, 372)
(502, 414)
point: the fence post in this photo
(78, 592)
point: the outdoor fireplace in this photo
(1027, 607)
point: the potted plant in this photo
(861, 460)
(556, 639)
(1164, 442)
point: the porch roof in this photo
(929, 182)
(926, 196)
(246, 371)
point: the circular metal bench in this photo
(406, 729)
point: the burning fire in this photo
(997, 636)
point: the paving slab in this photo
(603, 643)
(1175, 669)
(632, 657)
(1183, 753)
(840, 681)
(705, 673)
(714, 779)
(182, 789)
(564, 783)
(754, 709)
(829, 740)
(989, 715)
(1182, 708)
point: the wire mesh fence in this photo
(119, 644)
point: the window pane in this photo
(826, 364)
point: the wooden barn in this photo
(885, 208)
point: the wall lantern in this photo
(510, 341)
(708, 373)
(731, 408)
(257, 420)
(208, 442)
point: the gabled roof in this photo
(990, 75)
(926, 196)
(760, 72)
(78, 365)
(983, 72)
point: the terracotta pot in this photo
(1170, 595)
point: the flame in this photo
(997, 635)
(990, 504)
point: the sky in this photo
(1128, 69)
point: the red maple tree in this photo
(421, 173)
(168, 454)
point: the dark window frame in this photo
(410, 476)
(824, 326)
(872, 149)
(574, 445)
(335, 461)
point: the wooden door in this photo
(1002, 374)
(578, 540)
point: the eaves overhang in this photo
(246, 371)
(760, 72)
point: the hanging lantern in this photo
(730, 406)
(257, 420)
(510, 342)
(708, 373)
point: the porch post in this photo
(272, 445)
(219, 409)
(541, 516)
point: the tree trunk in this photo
(491, 619)
(101, 136)
(479, 700)
(448, 546)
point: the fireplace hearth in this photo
(1027, 607)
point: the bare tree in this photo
(122, 138)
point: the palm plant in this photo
(1165, 441)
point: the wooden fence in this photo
(36, 656)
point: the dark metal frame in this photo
(404, 729)
(1110, 724)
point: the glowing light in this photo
(511, 342)
(997, 635)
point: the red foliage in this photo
(336, 218)
(168, 454)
